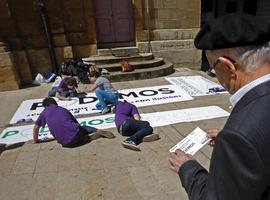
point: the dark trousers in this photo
(53, 91)
(85, 130)
(136, 129)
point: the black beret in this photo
(233, 30)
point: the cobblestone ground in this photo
(101, 169)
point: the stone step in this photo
(113, 59)
(146, 73)
(126, 51)
(136, 64)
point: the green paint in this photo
(10, 133)
(83, 123)
(96, 122)
(109, 120)
(44, 129)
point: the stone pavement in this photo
(101, 169)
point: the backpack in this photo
(126, 66)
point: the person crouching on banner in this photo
(67, 88)
(128, 123)
(105, 92)
(64, 127)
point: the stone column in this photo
(8, 74)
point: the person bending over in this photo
(67, 88)
(105, 92)
(64, 127)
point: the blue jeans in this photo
(52, 92)
(87, 130)
(105, 98)
(136, 129)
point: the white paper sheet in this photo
(192, 143)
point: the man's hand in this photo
(212, 134)
(177, 159)
(45, 139)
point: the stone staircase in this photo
(145, 64)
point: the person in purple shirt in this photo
(64, 127)
(128, 123)
(67, 88)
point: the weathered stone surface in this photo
(60, 40)
(22, 66)
(79, 38)
(5, 59)
(9, 85)
(180, 53)
(174, 34)
(142, 35)
(39, 60)
(8, 73)
(35, 41)
(68, 52)
(81, 51)
(182, 57)
(172, 44)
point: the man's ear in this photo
(229, 65)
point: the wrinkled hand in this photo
(212, 134)
(177, 159)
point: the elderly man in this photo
(238, 48)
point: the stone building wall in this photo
(172, 25)
(71, 25)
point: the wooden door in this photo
(114, 21)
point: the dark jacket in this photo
(240, 163)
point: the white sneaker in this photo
(105, 110)
(129, 144)
(113, 109)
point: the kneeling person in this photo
(64, 126)
(128, 123)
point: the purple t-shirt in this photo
(62, 124)
(63, 84)
(124, 110)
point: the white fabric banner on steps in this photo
(146, 96)
(18, 134)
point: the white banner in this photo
(196, 85)
(18, 134)
(31, 109)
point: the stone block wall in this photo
(8, 74)
(71, 23)
(170, 27)
(175, 46)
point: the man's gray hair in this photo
(248, 57)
